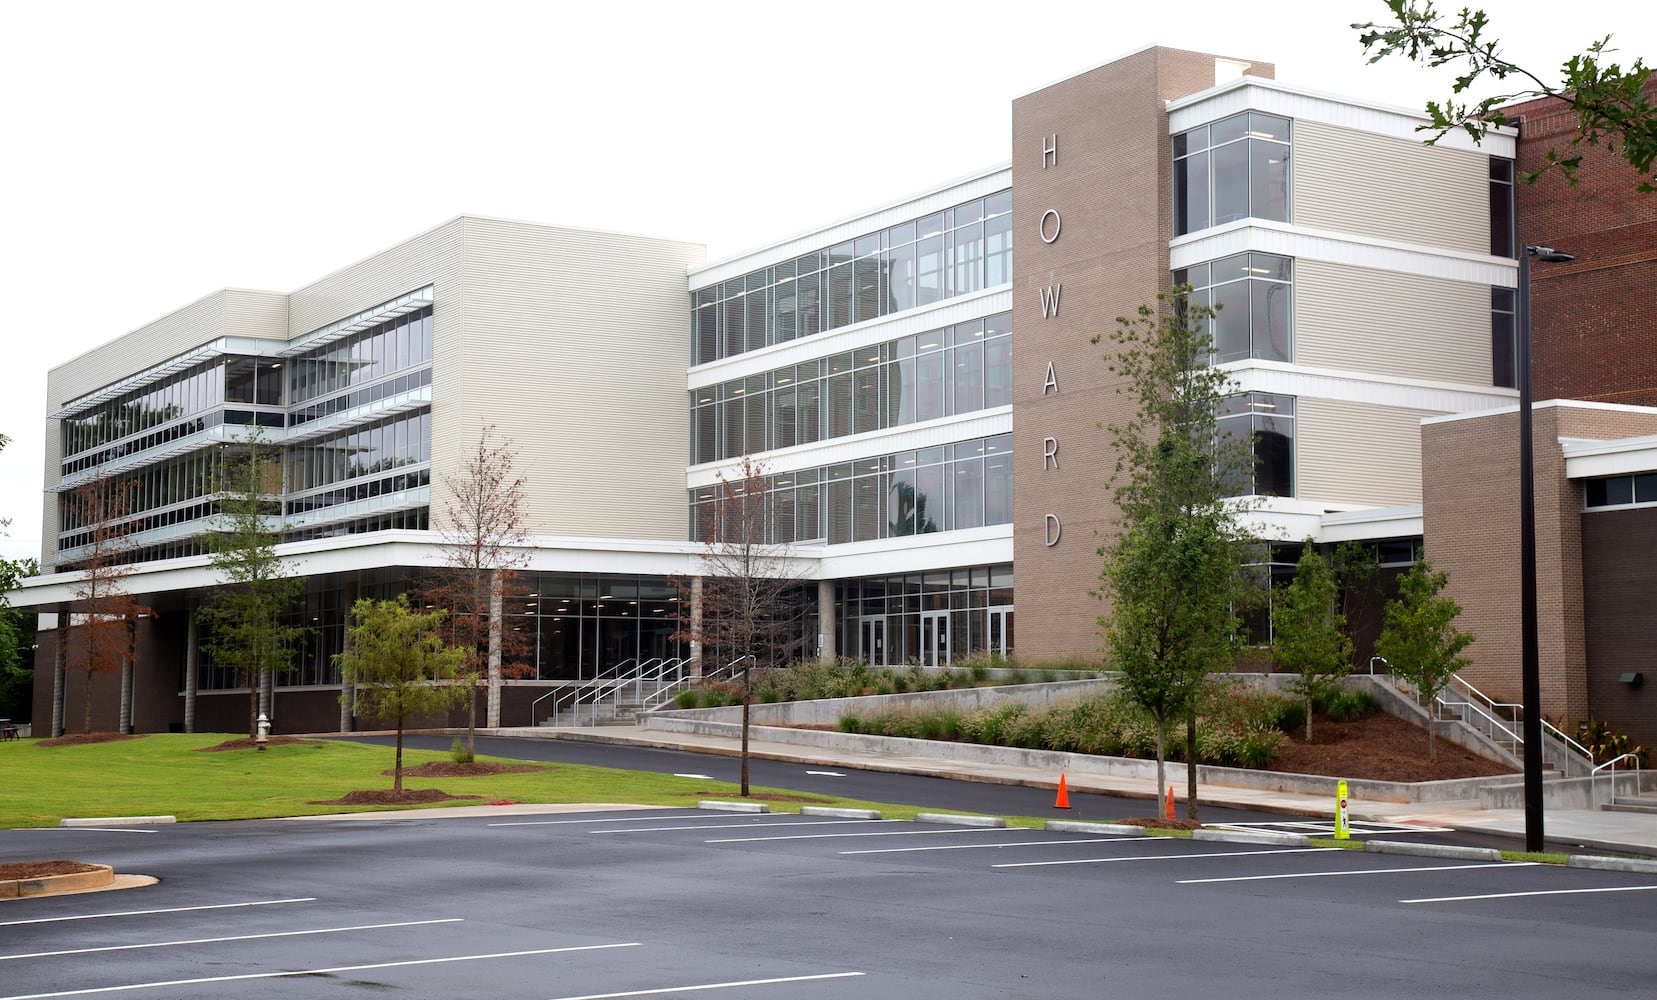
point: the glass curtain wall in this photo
(1235, 168)
(958, 251)
(930, 619)
(956, 369)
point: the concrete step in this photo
(1632, 804)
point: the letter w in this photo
(1050, 300)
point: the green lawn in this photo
(169, 775)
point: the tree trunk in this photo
(1191, 763)
(471, 683)
(1161, 760)
(87, 701)
(1308, 716)
(397, 769)
(747, 700)
(252, 703)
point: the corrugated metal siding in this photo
(255, 314)
(173, 334)
(1387, 323)
(1393, 189)
(1357, 452)
(574, 343)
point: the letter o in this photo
(1053, 214)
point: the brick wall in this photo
(1110, 185)
(1470, 505)
(1619, 584)
(1594, 320)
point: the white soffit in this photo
(1252, 93)
(1340, 248)
(1596, 459)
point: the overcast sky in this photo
(156, 152)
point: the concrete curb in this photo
(1252, 837)
(1073, 826)
(1432, 850)
(950, 819)
(100, 877)
(840, 813)
(1611, 864)
(734, 807)
(117, 820)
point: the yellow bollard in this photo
(1342, 830)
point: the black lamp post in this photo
(1530, 655)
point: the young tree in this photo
(1173, 573)
(483, 532)
(1420, 639)
(751, 612)
(248, 618)
(100, 639)
(1612, 105)
(16, 641)
(400, 666)
(1309, 634)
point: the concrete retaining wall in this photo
(1563, 793)
(827, 711)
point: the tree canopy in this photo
(1419, 638)
(1172, 573)
(399, 666)
(1308, 633)
(1612, 103)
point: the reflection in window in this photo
(1266, 419)
(1253, 298)
(1502, 347)
(954, 252)
(938, 373)
(965, 485)
(1235, 168)
(1619, 491)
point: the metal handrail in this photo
(606, 684)
(1502, 718)
(1593, 778)
(555, 692)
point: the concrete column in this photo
(695, 628)
(124, 726)
(192, 666)
(826, 625)
(347, 692)
(492, 713)
(59, 670)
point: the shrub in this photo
(1344, 706)
(687, 698)
(457, 752)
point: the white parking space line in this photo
(103, 829)
(829, 774)
(749, 826)
(238, 937)
(1167, 857)
(997, 847)
(883, 833)
(698, 777)
(316, 972)
(147, 913)
(1534, 892)
(711, 986)
(1364, 871)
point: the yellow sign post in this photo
(1342, 831)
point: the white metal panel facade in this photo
(1351, 452)
(574, 343)
(1389, 188)
(1387, 323)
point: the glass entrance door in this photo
(874, 642)
(998, 638)
(935, 639)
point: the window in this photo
(954, 252)
(1502, 346)
(1253, 295)
(1501, 208)
(1235, 168)
(1620, 491)
(1267, 420)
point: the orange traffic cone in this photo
(1063, 801)
(1168, 810)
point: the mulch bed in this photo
(247, 743)
(1379, 747)
(451, 769)
(40, 869)
(82, 739)
(389, 797)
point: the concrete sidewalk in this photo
(1567, 829)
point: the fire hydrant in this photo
(263, 731)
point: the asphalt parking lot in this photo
(676, 902)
